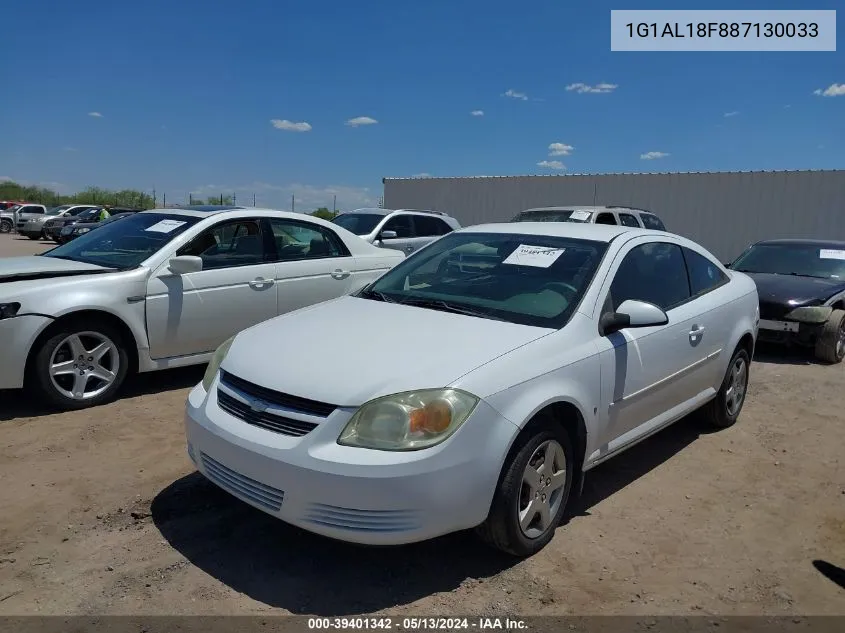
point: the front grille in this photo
(269, 421)
(242, 486)
(276, 398)
(356, 520)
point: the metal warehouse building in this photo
(723, 211)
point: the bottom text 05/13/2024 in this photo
(723, 29)
(418, 623)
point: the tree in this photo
(324, 213)
(10, 190)
(219, 200)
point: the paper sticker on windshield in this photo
(539, 256)
(165, 226)
(829, 253)
(580, 216)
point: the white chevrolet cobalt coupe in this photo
(164, 288)
(523, 355)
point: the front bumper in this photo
(16, 338)
(31, 230)
(53, 232)
(788, 332)
(351, 494)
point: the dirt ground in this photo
(102, 513)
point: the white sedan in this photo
(529, 353)
(163, 288)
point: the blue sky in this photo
(187, 92)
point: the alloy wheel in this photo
(543, 485)
(737, 386)
(84, 365)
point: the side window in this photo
(652, 222)
(301, 240)
(32, 209)
(605, 218)
(401, 224)
(626, 219)
(236, 243)
(427, 225)
(654, 272)
(704, 275)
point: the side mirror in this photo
(387, 235)
(184, 264)
(632, 313)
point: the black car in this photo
(74, 230)
(53, 227)
(801, 284)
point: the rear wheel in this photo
(723, 410)
(80, 366)
(531, 498)
(830, 345)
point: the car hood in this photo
(794, 290)
(350, 350)
(39, 267)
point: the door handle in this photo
(696, 331)
(260, 282)
(340, 274)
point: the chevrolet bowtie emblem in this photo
(258, 406)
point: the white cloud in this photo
(290, 126)
(361, 120)
(653, 155)
(477, 113)
(69, 149)
(551, 164)
(730, 114)
(513, 94)
(96, 115)
(833, 90)
(582, 88)
(560, 149)
(422, 175)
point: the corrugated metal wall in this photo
(722, 211)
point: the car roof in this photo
(835, 244)
(240, 212)
(587, 207)
(380, 211)
(577, 230)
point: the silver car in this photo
(33, 226)
(163, 288)
(407, 230)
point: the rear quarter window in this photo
(651, 221)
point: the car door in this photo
(195, 312)
(649, 373)
(312, 264)
(404, 228)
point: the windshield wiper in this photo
(375, 294)
(445, 306)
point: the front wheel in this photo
(80, 366)
(723, 410)
(5, 226)
(531, 498)
(830, 345)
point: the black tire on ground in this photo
(502, 530)
(5, 226)
(719, 412)
(39, 379)
(34, 237)
(830, 345)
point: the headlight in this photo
(214, 363)
(81, 230)
(408, 421)
(810, 314)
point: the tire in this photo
(5, 226)
(34, 237)
(63, 347)
(723, 410)
(830, 345)
(502, 529)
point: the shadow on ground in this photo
(830, 571)
(22, 404)
(781, 355)
(285, 567)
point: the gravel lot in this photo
(101, 512)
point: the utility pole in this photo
(154, 198)
(292, 203)
(334, 205)
(164, 201)
(234, 199)
(253, 199)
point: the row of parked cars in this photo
(534, 350)
(59, 224)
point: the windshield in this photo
(806, 260)
(532, 280)
(358, 223)
(125, 244)
(554, 215)
(58, 210)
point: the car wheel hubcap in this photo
(542, 489)
(84, 365)
(735, 394)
